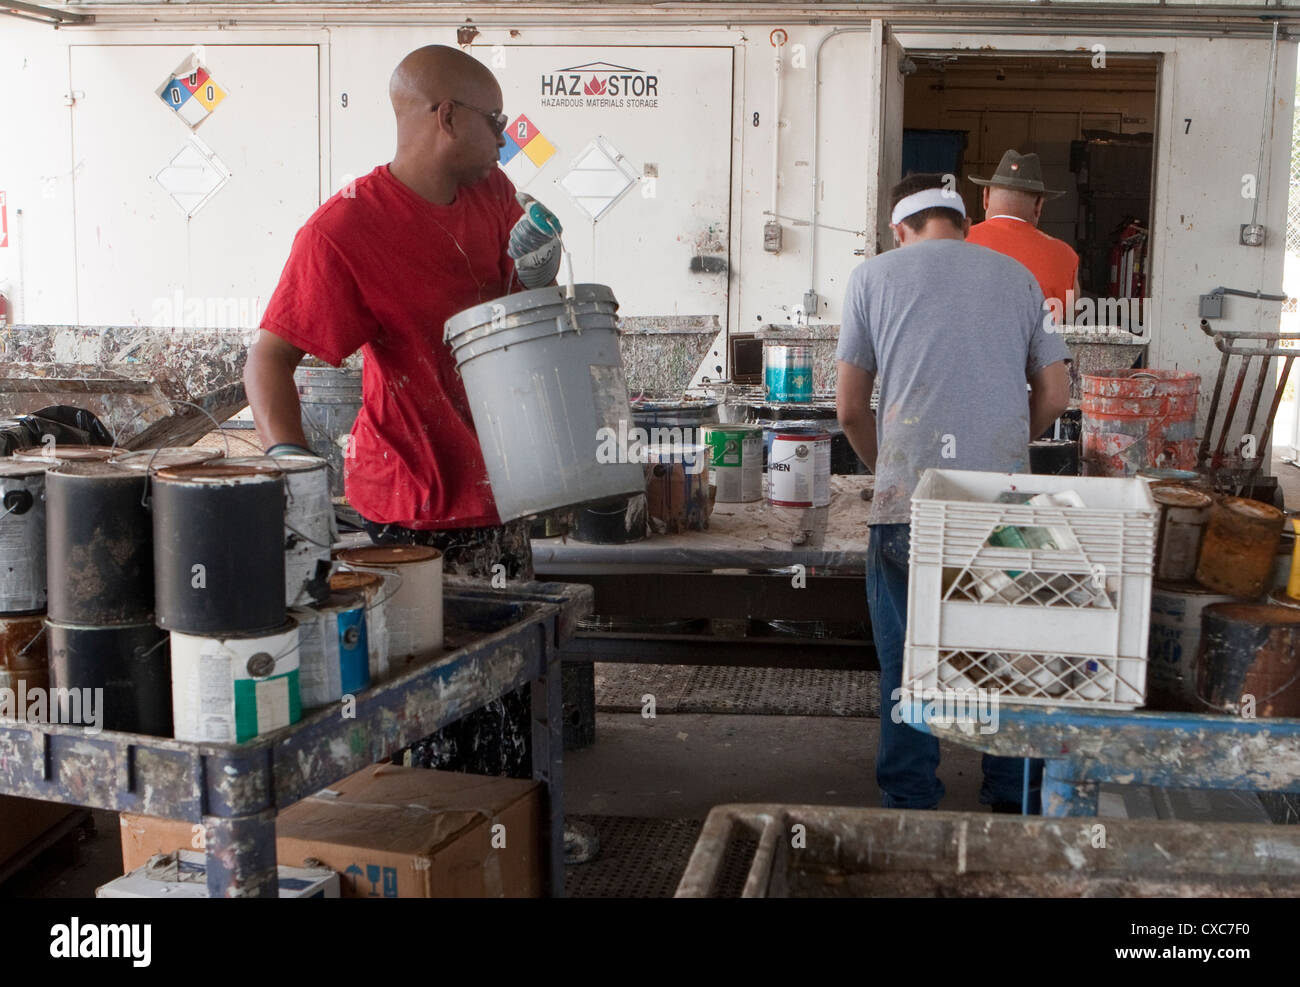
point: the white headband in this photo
(927, 198)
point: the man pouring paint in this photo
(379, 268)
(953, 331)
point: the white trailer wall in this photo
(52, 176)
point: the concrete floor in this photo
(680, 766)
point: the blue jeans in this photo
(907, 760)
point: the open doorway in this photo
(1092, 128)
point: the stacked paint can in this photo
(413, 608)
(106, 656)
(24, 664)
(373, 586)
(308, 523)
(219, 566)
(1249, 663)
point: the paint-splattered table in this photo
(1084, 749)
(496, 641)
(798, 575)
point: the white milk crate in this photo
(1046, 626)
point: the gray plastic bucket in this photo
(541, 390)
(331, 400)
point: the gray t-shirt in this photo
(952, 331)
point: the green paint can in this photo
(736, 461)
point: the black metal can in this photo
(99, 549)
(219, 548)
(113, 678)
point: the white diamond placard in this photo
(193, 176)
(598, 177)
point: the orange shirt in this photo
(1050, 261)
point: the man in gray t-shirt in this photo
(954, 332)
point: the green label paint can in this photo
(736, 460)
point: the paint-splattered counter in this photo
(740, 536)
(763, 586)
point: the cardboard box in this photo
(394, 832)
(186, 876)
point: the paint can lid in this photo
(1255, 509)
(60, 453)
(91, 469)
(338, 600)
(1177, 495)
(296, 463)
(348, 580)
(168, 456)
(10, 468)
(1253, 614)
(386, 555)
(217, 473)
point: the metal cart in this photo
(1085, 748)
(497, 640)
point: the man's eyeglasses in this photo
(497, 120)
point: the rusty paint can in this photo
(235, 687)
(677, 487)
(22, 538)
(1240, 543)
(99, 545)
(1250, 656)
(1184, 513)
(24, 656)
(414, 610)
(164, 458)
(57, 454)
(1136, 419)
(125, 671)
(374, 587)
(219, 548)
(1174, 643)
(334, 657)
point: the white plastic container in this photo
(184, 874)
(1075, 630)
(231, 689)
(414, 610)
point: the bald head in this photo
(445, 102)
(433, 73)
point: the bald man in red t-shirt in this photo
(380, 267)
(1013, 203)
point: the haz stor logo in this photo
(600, 79)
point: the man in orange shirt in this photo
(1013, 203)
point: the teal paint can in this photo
(787, 372)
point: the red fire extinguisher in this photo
(1128, 262)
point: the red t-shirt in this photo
(382, 268)
(1051, 261)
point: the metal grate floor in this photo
(621, 688)
(646, 858)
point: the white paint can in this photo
(22, 537)
(376, 587)
(227, 690)
(308, 519)
(799, 469)
(736, 461)
(335, 656)
(1173, 643)
(414, 610)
